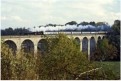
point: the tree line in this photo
(22, 31)
(16, 31)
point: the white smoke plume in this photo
(69, 27)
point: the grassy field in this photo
(112, 68)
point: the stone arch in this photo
(77, 40)
(42, 46)
(92, 45)
(11, 44)
(99, 39)
(103, 37)
(27, 46)
(85, 44)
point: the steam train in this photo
(65, 32)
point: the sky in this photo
(30, 13)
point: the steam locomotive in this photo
(34, 33)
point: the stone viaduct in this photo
(86, 40)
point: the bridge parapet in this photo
(22, 36)
(72, 33)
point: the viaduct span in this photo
(86, 40)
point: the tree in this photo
(84, 23)
(100, 23)
(9, 30)
(92, 23)
(63, 60)
(116, 27)
(114, 37)
(6, 56)
(16, 31)
(71, 23)
(19, 67)
(105, 51)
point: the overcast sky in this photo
(30, 13)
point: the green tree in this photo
(19, 67)
(71, 23)
(6, 56)
(63, 60)
(116, 27)
(16, 31)
(100, 23)
(84, 23)
(105, 51)
(114, 37)
(92, 23)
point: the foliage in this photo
(109, 49)
(92, 23)
(105, 51)
(6, 56)
(116, 27)
(114, 37)
(61, 61)
(71, 23)
(21, 67)
(100, 23)
(17, 31)
(111, 69)
(84, 23)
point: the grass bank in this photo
(111, 68)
